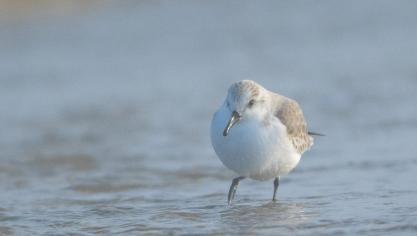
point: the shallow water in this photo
(105, 113)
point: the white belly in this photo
(253, 149)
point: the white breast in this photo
(252, 148)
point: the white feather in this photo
(253, 148)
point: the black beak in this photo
(233, 120)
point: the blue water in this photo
(105, 113)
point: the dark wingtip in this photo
(315, 134)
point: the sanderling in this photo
(259, 134)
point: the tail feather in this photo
(315, 134)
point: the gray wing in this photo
(291, 115)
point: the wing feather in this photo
(291, 115)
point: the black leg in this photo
(276, 184)
(232, 190)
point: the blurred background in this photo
(106, 106)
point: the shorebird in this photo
(259, 134)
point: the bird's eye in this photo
(251, 102)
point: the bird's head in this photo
(246, 100)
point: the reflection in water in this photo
(247, 218)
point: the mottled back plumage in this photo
(290, 114)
